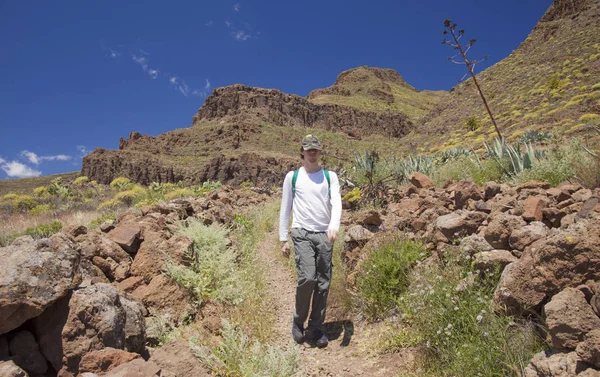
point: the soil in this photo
(351, 350)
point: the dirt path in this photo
(351, 347)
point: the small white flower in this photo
(439, 332)
(455, 308)
(449, 326)
(483, 311)
(486, 333)
(479, 318)
(431, 292)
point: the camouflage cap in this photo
(311, 142)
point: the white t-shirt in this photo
(313, 209)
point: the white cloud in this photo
(82, 149)
(241, 35)
(236, 7)
(229, 24)
(204, 91)
(113, 53)
(143, 62)
(36, 160)
(180, 85)
(15, 169)
(209, 23)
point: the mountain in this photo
(243, 133)
(551, 82)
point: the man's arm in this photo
(284, 213)
(336, 208)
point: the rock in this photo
(130, 284)
(569, 187)
(10, 369)
(139, 368)
(482, 206)
(105, 360)
(107, 226)
(491, 189)
(589, 349)
(369, 217)
(154, 252)
(498, 231)
(533, 208)
(135, 329)
(357, 233)
(25, 353)
(490, 260)
(525, 236)
(177, 357)
(558, 194)
(106, 255)
(533, 184)
(4, 348)
(163, 295)
(588, 206)
(128, 236)
(553, 216)
(75, 230)
(420, 180)
(566, 258)
(569, 318)
(473, 244)
(459, 223)
(595, 303)
(97, 319)
(582, 195)
(547, 364)
(465, 190)
(34, 275)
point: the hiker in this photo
(314, 195)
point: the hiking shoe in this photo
(297, 332)
(320, 338)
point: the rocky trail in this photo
(351, 349)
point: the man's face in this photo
(311, 155)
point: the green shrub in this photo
(129, 196)
(80, 181)
(472, 124)
(206, 187)
(590, 118)
(179, 193)
(40, 191)
(382, 276)
(42, 208)
(237, 355)
(121, 183)
(109, 205)
(352, 196)
(462, 334)
(246, 185)
(24, 202)
(44, 230)
(554, 83)
(211, 274)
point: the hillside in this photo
(378, 90)
(26, 185)
(551, 82)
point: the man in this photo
(314, 195)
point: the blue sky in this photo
(77, 75)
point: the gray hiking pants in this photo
(313, 263)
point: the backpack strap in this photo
(326, 172)
(295, 178)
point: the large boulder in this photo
(569, 318)
(93, 318)
(156, 249)
(589, 349)
(566, 258)
(34, 275)
(547, 364)
(127, 235)
(520, 238)
(498, 231)
(163, 295)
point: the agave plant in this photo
(534, 136)
(520, 161)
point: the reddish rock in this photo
(358, 234)
(498, 231)
(566, 258)
(589, 205)
(177, 357)
(553, 216)
(139, 368)
(130, 284)
(589, 349)
(460, 223)
(569, 318)
(465, 190)
(75, 230)
(107, 226)
(164, 295)
(520, 238)
(420, 180)
(554, 365)
(533, 184)
(533, 207)
(491, 189)
(569, 187)
(473, 244)
(582, 195)
(369, 217)
(155, 250)
(128, 236)
(34, 275)
(104, 360)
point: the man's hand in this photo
(285, 249)
(332, 235)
